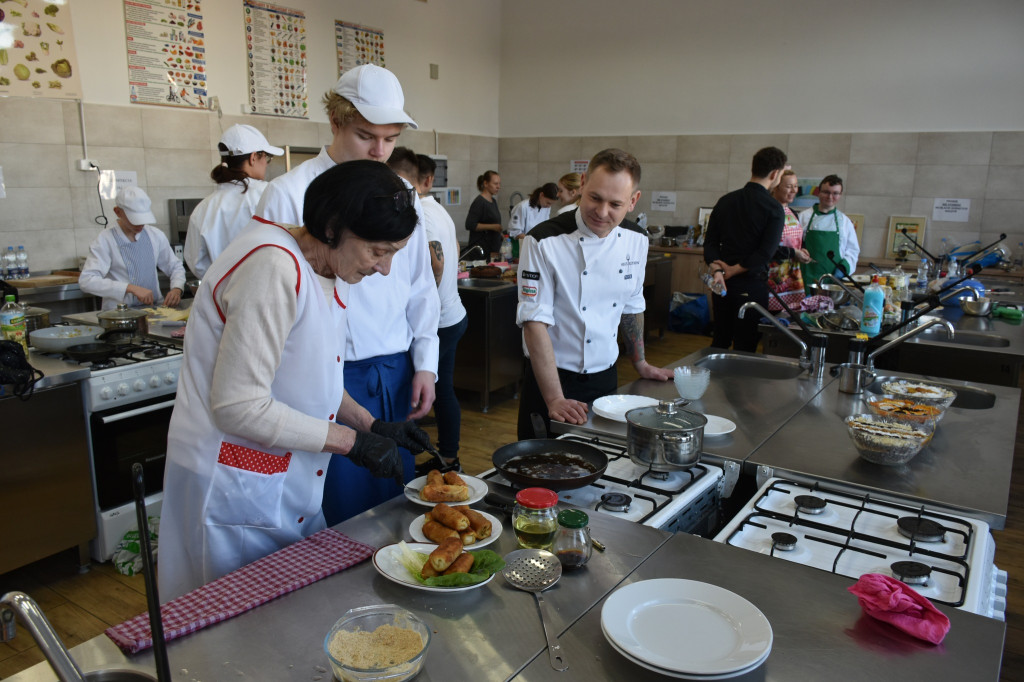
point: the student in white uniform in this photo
(581, 282)
(123, 260)
(532, 211)
(261, 383)
(569, 192)
(391, 344)
(241, 179)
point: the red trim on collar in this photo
(298, 271)
(338, 299)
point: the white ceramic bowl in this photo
(691, 382)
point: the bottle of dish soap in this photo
(874, 305)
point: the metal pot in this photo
(853, 378)
(124, 319)
(978, 307)
(663, 437)
(36, 318)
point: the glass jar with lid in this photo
(572, 543)
(534, 517)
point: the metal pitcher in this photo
(853, 378)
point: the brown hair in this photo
(485, 178)
(767, 160)
(548, 189)
(616, 161)
(230, 169)
(833, 180)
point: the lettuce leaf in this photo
(485, 564)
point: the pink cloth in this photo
(297, 565)
(893, 602)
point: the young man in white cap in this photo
(123, 260)
(392, 345)
(241, 179)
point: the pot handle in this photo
(676, 437)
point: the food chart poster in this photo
(37, 50)
(166, 53)
(275, 44)
(358, 45)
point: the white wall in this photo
(639, 67)
(461, 36)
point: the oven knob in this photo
(154, 381)
(122, 389)
(169, 378)
(139, 385)
(106, 393)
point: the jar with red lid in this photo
(535, 518)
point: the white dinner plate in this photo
(477, 490)
(616, 406)
(718, 426)
(683, 676)
(416, 531)
(386, 561)
(725, 633)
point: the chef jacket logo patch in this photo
(629, 276)
(628, 262)
(529, 274)
(529, 291)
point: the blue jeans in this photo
(446, 405)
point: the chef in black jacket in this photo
(743, 234)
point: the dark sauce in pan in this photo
(550, 465)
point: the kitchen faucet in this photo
(850, 292)
(475, 247)
(813, 363)
(49, 643)
(950, 333)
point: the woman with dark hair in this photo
(532, 211)
(241, 179)
(261, 380)
(484, 218)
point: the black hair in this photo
(230, 169)
(427, 165)
(548, 189)
(485, 178)
(363, 197)
(831, 180)
(767, 160)
(404, 162)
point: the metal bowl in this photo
(833, 291)
(976, 306)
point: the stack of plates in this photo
(686, 629)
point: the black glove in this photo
(406, 434)
(378, 455)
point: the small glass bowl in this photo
(368, 619)
(885, 441)
(921, 392)
(905, 409)
(691, 382)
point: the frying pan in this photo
(547, 446)
(91, 352)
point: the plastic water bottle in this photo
(1018, 257)
(12, 323)
(711, 283)
(506, 249)
(874, 306)
(922, 276)
(10, 264)
(23, 272)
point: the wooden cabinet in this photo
(490, 354)
(657, 293)
(687, 265)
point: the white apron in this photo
(227, 500)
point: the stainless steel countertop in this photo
(818, 627)
(484, 634)
(966, 466)
(56, 371)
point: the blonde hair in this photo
(339, 110)
(570, 181)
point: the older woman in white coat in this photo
(261, 383)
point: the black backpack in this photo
(15, 370)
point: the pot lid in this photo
(29, 310)
(121, 312)
(665, 416)
(537, 498)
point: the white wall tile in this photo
(954, 148)
(33, 165)
(818, 148)
(454, 146)
(706, 177)
(1005, 182)
(105, 126)
(592, 145)
(965, 182)
(743, 147)
(872, 148)
(106, 158)
(703, 148)
(484, 148)
(31, 120)
(892, 180)
(561, 150)
(1003, 215)
(35, 209)
(292, 132)
(166, 128)
(176, 167)
(652, 148)
(518, 149)
(924, 205)
(876, 210)
(1008, 149)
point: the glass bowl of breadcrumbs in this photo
(382, 642)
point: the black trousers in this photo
(583, 387)
(729, 330)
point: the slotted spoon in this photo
(535, 570)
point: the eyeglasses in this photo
(403, 199)
(830, 194)
(264, 155)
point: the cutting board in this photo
(42, 281)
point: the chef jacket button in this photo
(584, 307)
(301, 519)
(620, 270)
(338, 359)
(319, 472)
(581, 238)
(584, 272)
(331, 417)
(588, 340)
(614, 304)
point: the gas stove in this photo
(684, 501)
(944, 557)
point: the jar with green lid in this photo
(572, 543)
(534, 517)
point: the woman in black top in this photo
(484, 219)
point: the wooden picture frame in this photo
(915, 226)
(703, 215)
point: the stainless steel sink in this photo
(753, 367)
(482, 283)
(967, 397)
(964, 338)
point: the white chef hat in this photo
(242, 139)
(137, 206)
(376, 94)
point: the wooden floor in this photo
(81, 606)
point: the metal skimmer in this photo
(535, 570)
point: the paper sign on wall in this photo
(112, 182)
(663, 201)
(951, 210)
(578, 165)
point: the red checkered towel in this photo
(297, 565)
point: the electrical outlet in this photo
(85, 164)
(213, 104)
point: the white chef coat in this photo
(440, 228)
(567, 208)
(386, 315)
(524, 217)
(217, 220)
(106, 274)
(581, 286)
(272, 371)
(849, 249)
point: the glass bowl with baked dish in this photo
(904, 409)
(887, 441)
(920, 392)
(382, 642)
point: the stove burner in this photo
(911, 572)
(101, 364)
(157, 352)
(920, 530)
(616, 502)
(658, 475)
(784, 542)
(809, 504)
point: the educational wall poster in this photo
(37, 50)
(275, 43)
(358, 45)
(166, 53)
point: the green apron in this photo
(818, 243)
